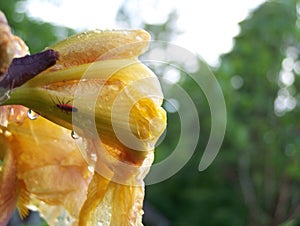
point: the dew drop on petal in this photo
(7, 133)
(91, 169)
(74, 135)
(32, 115)
(93, 157)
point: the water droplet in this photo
(32, 115)
(91, 169)
(93, 157)
(74, 135)
(7, 133)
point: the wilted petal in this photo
(110, 203)
(10, 46)
(8, 182)
(12, 191)
(48, 164)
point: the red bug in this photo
(65, 107)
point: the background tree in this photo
(36, 34)
(264, 111)
(255, 179)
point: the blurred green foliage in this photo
(36, 34)
(263, 114)
(255, 178)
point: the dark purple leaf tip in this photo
(25, 68)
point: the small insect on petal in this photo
(67, 108)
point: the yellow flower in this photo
(110, 102)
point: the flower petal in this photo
(48, 164)
(8, 182)
(10, 46)
(95, 45)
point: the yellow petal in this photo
(127, 205)
(49, 165)
(91, 46)
(110, 203)
(12, 191)
(8, 182)
(96, 192)
(10, 45)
